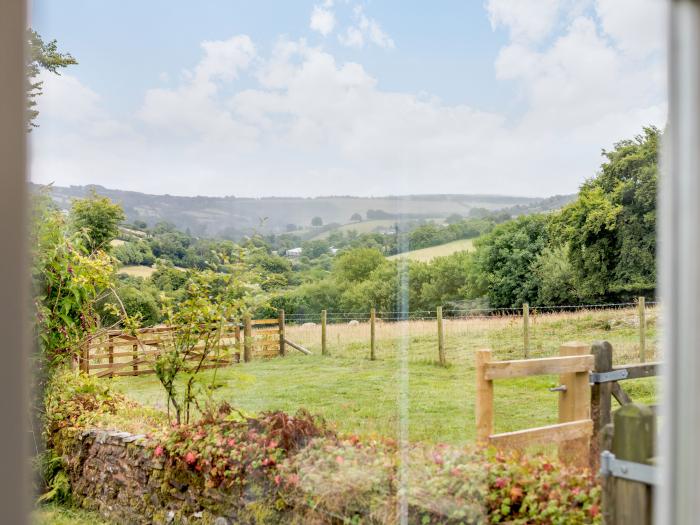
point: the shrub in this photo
(76, 400)
(362, 481)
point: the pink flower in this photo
(501, 482)
(231, 442)
(339, 460)
(278, 480)
(158, 452)
(273, 444)
(190, 458)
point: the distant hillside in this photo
(233, 217)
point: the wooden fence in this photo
(585, 434)
(527, 313)
(116, 353)
(573, 432)
(627, 439)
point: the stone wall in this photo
(116, 474)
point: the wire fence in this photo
(513, 333)
(454, 313)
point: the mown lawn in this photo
(360, 396)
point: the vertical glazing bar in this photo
(679, 278)
(14, 278)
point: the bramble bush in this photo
(230, 449)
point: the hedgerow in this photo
(299, 471)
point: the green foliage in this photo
(611, 228)
(379, 290)
(314, 249)
(358, 480)
(75, 400)
(503, 261)
(67, 280)
(46, 56)
(317, 222)
(98, 219)
(137, 252)
(197, 320)
(443, 281)
(555, 277)
(431, 234)
(356, 265)
(228, 448)
(55, 478)
(139, 301)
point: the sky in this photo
(345, 97)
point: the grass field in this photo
(61, 515)
(361, 396)
(137, 271)
(359, 227)
(141, 271)
(428, 254)
(367, 226)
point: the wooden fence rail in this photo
(117, 353)
(574, 429)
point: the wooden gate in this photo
(116, 353)
(573, 432)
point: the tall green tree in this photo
(98, 219)
(46, 56)
(502, 263)
(611, 229)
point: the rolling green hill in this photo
(428, 254)
(234, 217)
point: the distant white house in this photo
(333, 250)
(294, 252)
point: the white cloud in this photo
(529, 20)
(298, 121)
(365, 30)
(637, 26)
(322, 20)
(191, 109)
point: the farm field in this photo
(137, 271)
(361, 396)
(141, 271)
(359, 227)
(428, 254)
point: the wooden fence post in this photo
(601, 399)
(372, 334)
(526, 329)
(135, 357)
(642, 330)
(484, 398)
(441, 337)
(110, 349)
(237, 333)
(281, 330)
(85, 365)
(633, 440)
(324, 342)
(574, 405)
(247, 339)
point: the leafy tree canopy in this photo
(611, 228)
(98, 218)
(41, 55)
